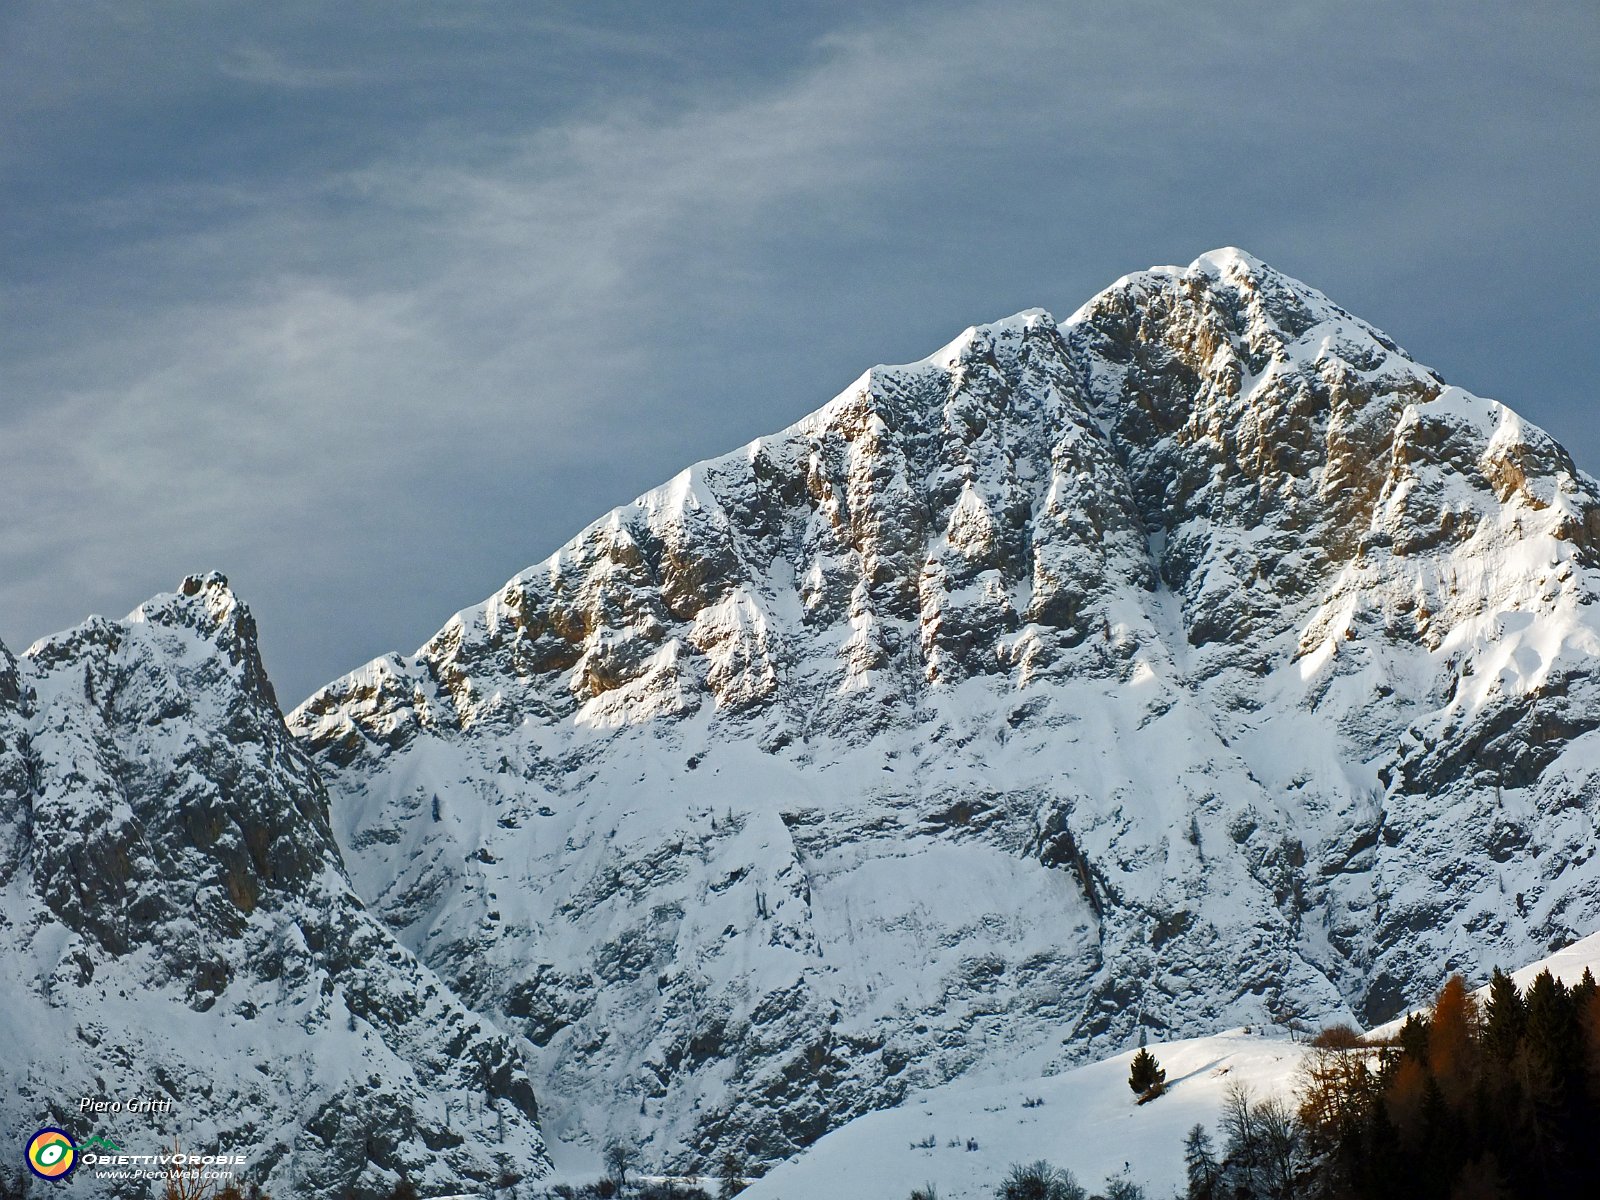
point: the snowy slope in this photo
(176, 925)
(1089, 1121)
(1567, 964)
(1200, 660)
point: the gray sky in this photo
(373, 305)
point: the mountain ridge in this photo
(1200, 660)
(1181, 619)
(177, 926)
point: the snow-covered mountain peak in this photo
(1200, 660)
(1231, 260)
(1229, 301)
(967, 721)
(206, 606)
(172, 894)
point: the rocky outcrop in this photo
(1199, 660)
(177, 925)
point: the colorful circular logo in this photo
(52, 1154)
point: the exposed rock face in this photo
(1200, 660)
(177, 923)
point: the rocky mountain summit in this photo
(1199, 660)
(177, 926)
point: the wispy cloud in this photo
(430, 339)
(260, 65)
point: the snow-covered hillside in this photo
(1089, 1122)
(1198, 661)
(1567, 964)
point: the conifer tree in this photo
(1589, 1030)
(1413, 1038)
(1505, 1017)
(1145, 1075)
(1583, 992)
(1552, 1031)
(1438, 1133)
(1200, 1164)
(1459, 1107)
(1452, 1037)
(1376, 1167)
(1338, 1086)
